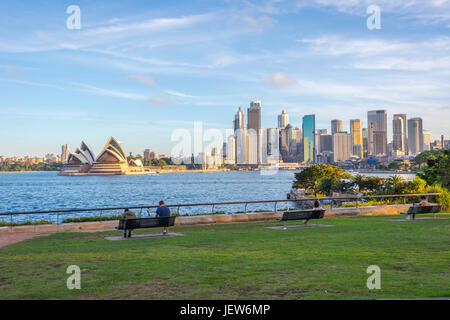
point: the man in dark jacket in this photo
(161, 212)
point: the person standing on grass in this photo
(162, 212)
(316, 207)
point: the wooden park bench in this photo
(140, 223)
(302, 215)
(414, 209)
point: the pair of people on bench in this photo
(162, 211)
(317, 206)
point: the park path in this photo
(8, 238)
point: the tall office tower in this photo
(337, 126)
(415, 136)
(231, 150)
(376, 121)
(365, 143)
(325, 143)
(342, 146)
(379, 143)
(271, 142)
(241, 146)
(147, 153)
(426, 140)
(283, 120)
(399, 136)
(442, 142)
(357, 137)
(64, 153)
(309, 129)
(239, 122)
(254, 122)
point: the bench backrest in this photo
(146, 222)
(303, 214)
(425, 209)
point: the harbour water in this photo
(40, 191)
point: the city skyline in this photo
(138, 71)
(344, 125)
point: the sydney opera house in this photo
(110, 161)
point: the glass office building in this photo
(309, 128)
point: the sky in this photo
(139, 70)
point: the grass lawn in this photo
(238, 261)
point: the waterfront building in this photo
(376, 121)
(283, 120)
(415, 136)
(309, 129)
(426, 140)
(111, 160)
(254, 123)
(365, 143)
(79, 161)
(148, 154)
(399, 136)
(342, 147)
(231, 150)
(64, 153)
(379, 143)
(239, 120)
(357, 137)
(337, 126)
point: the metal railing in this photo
(356, 199)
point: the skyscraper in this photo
(64, 153)
(415, 136)
(342, 146)
(240, 140)
(283, 120)
(239, 122)
(309, 129)
(376, 121)
(399, 137)
(357, 137)
(426, 140)
(254, 123)
(337, 126)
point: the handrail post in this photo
(212, 209)
(275, 207)
(57, 221)
(245, 208)
(10, 222)
(356, 202)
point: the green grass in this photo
(237, 261)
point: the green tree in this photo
(311, 177)
(437, 170)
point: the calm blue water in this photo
(48, 191)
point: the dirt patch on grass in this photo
(8, 238)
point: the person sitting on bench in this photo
(423, 202)
(316, 207)
(128, 215)
(163, 211)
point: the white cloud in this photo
(279, 79)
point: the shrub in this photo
(443, 198)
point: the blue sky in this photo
(138, 70)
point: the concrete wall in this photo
(211, 219)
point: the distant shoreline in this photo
(26, 171)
